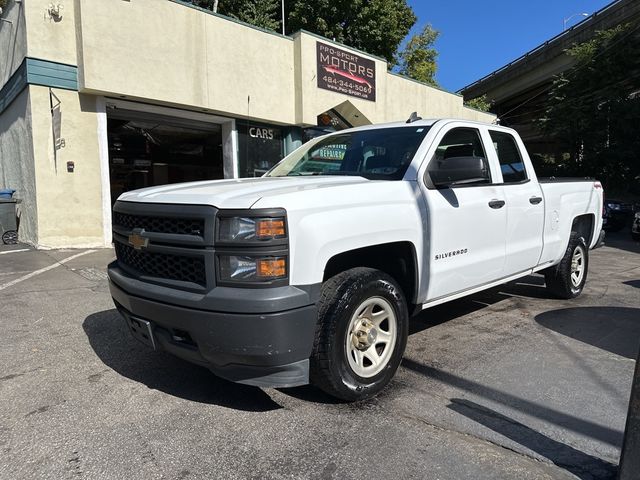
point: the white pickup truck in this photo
(311, 273)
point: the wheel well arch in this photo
(397, 259)
(584, 226)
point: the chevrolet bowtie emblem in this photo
(137, 241)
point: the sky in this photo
(480, 36)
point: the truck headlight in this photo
(251, 229)
(251, 268)
(252, 248)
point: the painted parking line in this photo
(45, 269)
(15, 251)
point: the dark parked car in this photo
(616, 215)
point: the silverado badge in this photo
(137, 241)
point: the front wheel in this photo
(567, 279)
(361, 334)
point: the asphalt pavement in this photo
(506, 384)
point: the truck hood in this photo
(237, 193)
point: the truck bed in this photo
(566, 199)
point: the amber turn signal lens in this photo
(270, 228)
(272, 267)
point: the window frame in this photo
(527, 177)
(426, 177)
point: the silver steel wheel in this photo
(371, 337)
(577, 266)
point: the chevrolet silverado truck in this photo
(310, 273)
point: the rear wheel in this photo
(567, 279)
(362, 331)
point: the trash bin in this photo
(8, 224)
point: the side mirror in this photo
(458, 171)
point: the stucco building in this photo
(99, 97)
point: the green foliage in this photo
(418, 58)
(261, 13)
(3, 3)
(374, 26)
(479, 103)
(593, 110)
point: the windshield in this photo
(380, 153)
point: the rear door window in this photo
(511, 164)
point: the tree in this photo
(418, 58)
(593, 109)
(479, 103)
(261, 13)
(374, 26)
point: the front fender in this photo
(323, 224)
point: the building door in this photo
(147, 149)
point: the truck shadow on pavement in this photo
(622, 241)
(532, 286)
(112, 343)
(582, 465)
(614, 329)
(550, 415)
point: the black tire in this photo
(558, 278)
(10, 237)
(341, 296)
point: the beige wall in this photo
(13, 40)
(316, 101)
(69, 204)
(171, 54)
(167, 53)
(16, 163)
(50, 38)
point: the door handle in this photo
(535, 200)
(497, 203)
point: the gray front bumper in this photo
(269, 349)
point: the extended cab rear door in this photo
(524, 202)
(466, 221)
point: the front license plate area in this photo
(142, 330)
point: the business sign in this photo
(264, 133)
(345, 72)
(259, 148)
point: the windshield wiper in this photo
(344, 172)
(335, 173)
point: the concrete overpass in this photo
(518, 90)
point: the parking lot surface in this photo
(506, 384)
